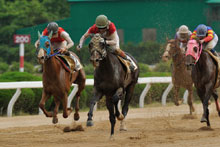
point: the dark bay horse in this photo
(57, 81)
(111, 80)
(181, 77)
(204, 74)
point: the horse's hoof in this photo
(203, 119)
(112, 137)
(76, 116)
(55, 120)
(123, 129)
(120, 117)
(89, 123)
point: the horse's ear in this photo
(39, 35)
(167, 39)
(50, 35)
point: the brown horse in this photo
(204, 75)
(181, 77)
(110, 80)
(57, 81)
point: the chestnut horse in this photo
(57, 81)
(181, 77)
(110, 80)
(204, 75)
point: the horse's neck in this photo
(108, 65)
(50, 67)
(178, 56)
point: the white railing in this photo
(38, 84)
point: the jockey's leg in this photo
(211, 45)
(77, 63)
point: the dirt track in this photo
(154, 126)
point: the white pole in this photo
(21, 54)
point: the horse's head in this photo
(97, 49)
(44, 48)
(193, 53)
(170, 50)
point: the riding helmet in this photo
(183, 29)
(52, 26)
(201, 30)
(101, 21)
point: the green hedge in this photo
(30, 98)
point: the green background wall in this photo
(132, 16)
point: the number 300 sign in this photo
(22, 38)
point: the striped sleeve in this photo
(193, 36)
(210, 35)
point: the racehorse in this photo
(204, 75)
(111, 80)
(57, 80)
(181, 77)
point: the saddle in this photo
(125, 63)
(67, 62)
(217, 60)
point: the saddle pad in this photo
(217, 60)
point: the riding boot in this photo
(122, 54)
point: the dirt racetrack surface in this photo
(161, 126)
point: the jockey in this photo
(206, 35)
(108, 31)
(60, 40)
(183, 35)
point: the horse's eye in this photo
(47, 44)
(195, 49)
(90, 45)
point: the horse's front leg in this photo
(215, 95)
(176, 95)
(110, 107)
(93, 101)
(190, 101)
(56, 108)
(43, 100)
(205, 101)
(66, 111)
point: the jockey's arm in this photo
(83, 38)
(66, 36)
(113, 40)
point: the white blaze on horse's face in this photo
(40, 56)
(166, 54)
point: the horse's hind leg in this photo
(66, 111)
(43, 100)
(81, 79)
(215, 95)
(56, 108)
(190, 101)
(128, 95)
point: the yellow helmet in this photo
(101, 21)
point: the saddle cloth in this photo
(127, 63)
(217, 60)
(70, 63)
